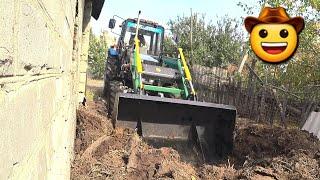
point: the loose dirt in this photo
(260, 152)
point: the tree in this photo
(170, 48)
(97, 55)
(213, 44)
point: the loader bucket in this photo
(196, 128)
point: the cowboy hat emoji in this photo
(274, 35)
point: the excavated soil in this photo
(260, 152)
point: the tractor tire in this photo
(115, 87)
(110, 74)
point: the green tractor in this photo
(154, 95)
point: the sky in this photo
(162, 11)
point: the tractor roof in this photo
(144, 21)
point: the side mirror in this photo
(112, 23)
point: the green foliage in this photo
(97, 55)
(301, 73)
(170, 48)
(223, 42)
(212, 44)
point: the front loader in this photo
(154, 95)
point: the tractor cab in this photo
(150, 35)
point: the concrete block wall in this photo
(83, 65)
(40, 50)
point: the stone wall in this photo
(41, 45)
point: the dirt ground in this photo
(260, 152)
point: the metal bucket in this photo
(205, 128)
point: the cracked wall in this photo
(41, 46)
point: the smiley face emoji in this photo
(274, 35)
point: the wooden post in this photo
(245, 58)
(191, 28)
(229, 91)
(262, 111)
(217, 86)
(220, 88)
(250, 88)
(253, 102)
(281, 108)
(309, 108)
(272, 110)
(238, 96)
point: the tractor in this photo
(154, 95)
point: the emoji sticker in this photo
(274, 35)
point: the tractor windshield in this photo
(150, 37)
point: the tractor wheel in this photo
(110, 73)
(115, 87)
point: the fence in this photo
(252, 99)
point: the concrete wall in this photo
(84, 50)
(40, 50)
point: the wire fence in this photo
(253, 100)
